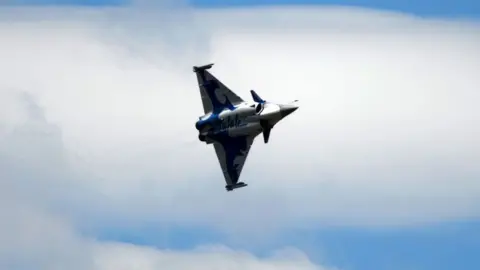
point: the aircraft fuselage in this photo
(248, 118)
(233, 123)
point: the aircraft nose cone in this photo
(287, 109)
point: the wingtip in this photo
(201, 68)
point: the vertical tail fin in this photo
(256, 97)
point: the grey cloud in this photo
(33, 173)
(385, 134)
(37, 233)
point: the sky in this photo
(445, 8)
(378, 169)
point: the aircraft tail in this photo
(256, 97)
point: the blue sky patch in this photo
(444, 8)
(444, 246)
(452, 8)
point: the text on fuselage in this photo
(231, 122)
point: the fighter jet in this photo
(232, 124)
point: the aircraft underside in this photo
(232, 124)
(244, 129)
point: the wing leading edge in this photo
(215, 95)
(232, 152)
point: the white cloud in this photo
(387, 131)
(33, 238)
(123, 256)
